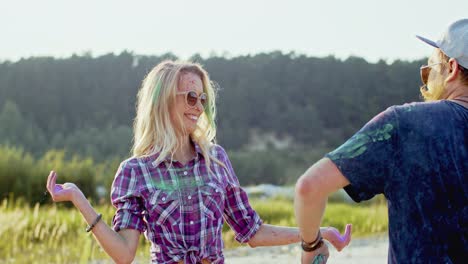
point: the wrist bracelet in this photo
(308, 247)
(319, 244)
(90, 227)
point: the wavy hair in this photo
(154, 131)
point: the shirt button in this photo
(189, 197)
(185, 173)
(191, 222)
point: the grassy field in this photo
(55, 233)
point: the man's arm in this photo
(311, 194)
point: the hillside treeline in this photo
(277, 106)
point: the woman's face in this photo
(188, 82)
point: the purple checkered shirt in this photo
(181, 208)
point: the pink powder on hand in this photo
(338, 236)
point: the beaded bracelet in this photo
(89, 227)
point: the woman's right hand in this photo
(120, 246)
(62, 192)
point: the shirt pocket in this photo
(212, 201)
(164, 207)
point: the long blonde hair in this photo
(153, 129)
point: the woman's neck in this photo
(185, 152)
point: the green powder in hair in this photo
(209, 115)
(157, 90)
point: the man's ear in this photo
(453, 70)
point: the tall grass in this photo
(48, 234)
(55, 233)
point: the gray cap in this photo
(454, 42)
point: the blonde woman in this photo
(179, 185)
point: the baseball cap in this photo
(453, 42)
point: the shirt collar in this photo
(198, 153)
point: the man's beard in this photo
(436, 91)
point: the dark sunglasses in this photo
(191, 98)
(425, 70)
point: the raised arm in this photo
(120, 246)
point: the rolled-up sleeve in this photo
(126, 199)
(238, 213)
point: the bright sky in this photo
(373, 29)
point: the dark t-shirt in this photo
(417, 156)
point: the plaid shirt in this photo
(181, 208)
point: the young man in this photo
(416, 155)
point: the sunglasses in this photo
(191, 98)
(425, 70)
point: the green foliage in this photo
(15, 169)
(273, 166)
(21, 175)
(17, 131)
(86, 105)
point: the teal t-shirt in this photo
(417, 156)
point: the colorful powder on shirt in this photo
(357, 144)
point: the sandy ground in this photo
(363, 250)
(369, 250)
